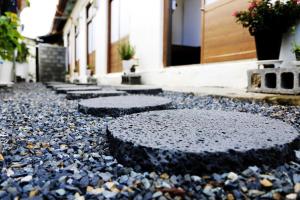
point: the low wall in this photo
(226, 74)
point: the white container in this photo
(6, 72)
(22, 70)
(127, 64)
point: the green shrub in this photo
(9, 36)
(23, 53)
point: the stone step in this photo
(200, 141)
(64, 90)
(141, 90)
(122, 105)
(93, 94)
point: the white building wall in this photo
(101, 39)
(146, 32)
(144, 24)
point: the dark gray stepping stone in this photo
(77, 88)
(93, 94)
(122, 105)
(86, 84)
(141, 90)
(55, 86)
(53, 83)
(201, 141)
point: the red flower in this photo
(252, 5)
(235, 13)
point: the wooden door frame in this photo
(109, 37)
(167, 32)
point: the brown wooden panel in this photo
(115, 61)
(223, 38)
(166, 32)
(92, 62)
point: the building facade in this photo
(178, 42)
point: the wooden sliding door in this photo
(223, 39)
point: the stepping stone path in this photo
(55, 86)
(93, 94)
(64, 90)
(122, 105)
(201, 141)
(141, 90)
(86, 83)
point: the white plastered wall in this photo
(78, 18)
(145, 26)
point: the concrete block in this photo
(275, 80)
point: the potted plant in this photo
(22, 62)
(267, 20)
(89, 70)
(9, 43)
(126, 52)
(296, 51)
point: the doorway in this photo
(119, 13)
(184, 46)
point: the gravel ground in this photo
(50, 151)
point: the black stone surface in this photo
(141, 90)
(200, 141)
(93, 94)
(86, 84)
(122, 105)
(64, 90)
(62, 85)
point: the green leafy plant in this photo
(296, 50)
(23, 53)
(126, 51)
(9, 36)
(268, 16)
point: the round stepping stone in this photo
(61, 86)
(86, 84)
(122, 105)
(77, 88)
(93, 94)
(141, 90)
(200, 141)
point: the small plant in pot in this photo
(296, 50)
(126, 52)
(89, 70)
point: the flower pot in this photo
(268, 45)
(127, 64)
(22, 70)
(6, 69)
(88, 72)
